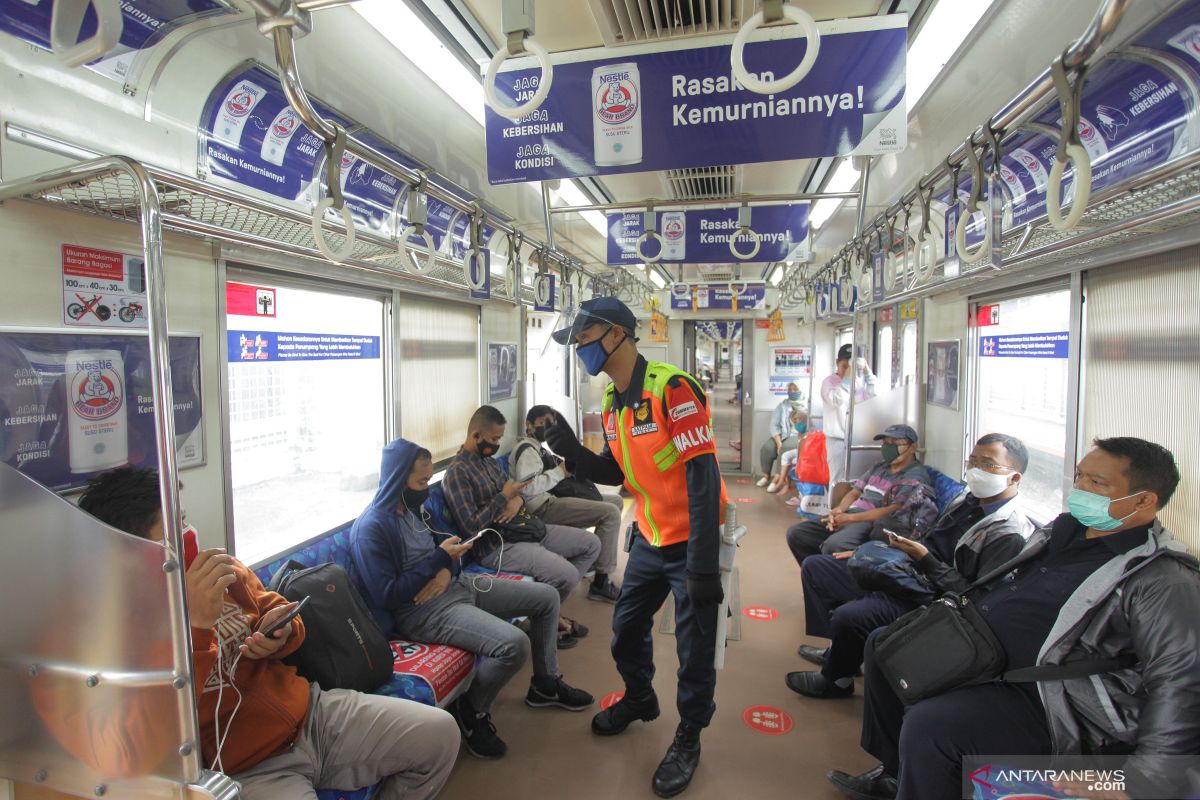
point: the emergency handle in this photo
(737, 55)
(66, 21)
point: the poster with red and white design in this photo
(441, 666)
(102, 288)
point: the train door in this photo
(885, 339)
(1020, 347)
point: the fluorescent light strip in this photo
(941, 35)
(570, 194)
(416, 42)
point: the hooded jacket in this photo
(1145, 602)
(394, 550)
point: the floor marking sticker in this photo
(768, 720)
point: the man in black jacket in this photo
(1105, 581)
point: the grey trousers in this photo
(769, 457)
(351, 740)
(561, 559)
(579, 512)
(477, 621)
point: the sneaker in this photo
(562, 695)
(814, 684)
(577, 629)
(762, 481)
(478, 732)
(794, 501)
(872, 785)
(566, 641)
(606, 592)
(617, 717)
(774, 488)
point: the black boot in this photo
(675, 771)
(617, 717)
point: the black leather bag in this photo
(878, 567)
(947, 644)
(524, 527)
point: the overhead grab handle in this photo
(649, 231)
(967, 255)
(474, 265)
(889, 260)
(768, 12)
(1070, 149)
(333, 175)
(517, 16)
(926, 244)
(417, 212)
(744, 229)
(66, 22)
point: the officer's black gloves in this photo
(563, 442)
(705, 591)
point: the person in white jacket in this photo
(783, 438)
(835, 400)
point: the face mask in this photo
(539, 433)
(1092, 509)
(413, 498)
(594, 356)
(486, 449)
(793, 396)
(985, 484)
(890, 453)
(800, 426)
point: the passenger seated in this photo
(1105, 580)
(982, 529)
(281, 737)
(414, 587)
(480, 496)
(896, 492)
(576, 512)
(798, 424)
(783, 439)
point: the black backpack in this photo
(343, 646)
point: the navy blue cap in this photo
(597, 311)
(898, 432)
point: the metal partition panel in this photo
(872, 416)
(88, 687)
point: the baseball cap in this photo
(898, 432)
(597, 311)
(844, 352)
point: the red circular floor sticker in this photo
(745, 500)
(610, 699)
(742, 481)
(768, 720)
(763, 613)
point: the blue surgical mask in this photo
(800, 427)
(593, 355)
(1091, 509)
(793, 396)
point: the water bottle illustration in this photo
(673, 225)
(97, 410)
(617, 115)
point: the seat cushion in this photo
(433, 674)
(439, 512)
(945, 487)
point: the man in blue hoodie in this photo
(414, 587)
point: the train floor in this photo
(553, 754)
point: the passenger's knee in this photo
(513, 649)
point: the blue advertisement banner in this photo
(144, 22)
(544, 292)
(1026, 345)
(73, 405)
(267, 346)
(677, 105)
(701, 236)
(718, 296)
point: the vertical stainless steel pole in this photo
(862, 216)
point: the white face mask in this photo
(984, 484)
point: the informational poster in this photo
(679, 105)
(73, 405)
(791, 362)
(942, 374)
(247, 345)
(775, 327)
(658, 327)
(718, 296)
(102, 288)
(1026, 345)
(701, 236)
(144, 22)
(246, 300)
(502, 371)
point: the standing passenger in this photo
(835, 400)
(660, 444)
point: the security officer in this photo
(660, 445)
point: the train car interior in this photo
(648, 299)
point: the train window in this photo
(439, 372)
(908, 352)
(304, 453)
(1021, 349)
(883, 357)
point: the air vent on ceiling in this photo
(625, 21)
(703, 183)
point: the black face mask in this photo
(486, 449)
(539, 433)
(414, 498)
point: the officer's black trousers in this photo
(651, 574)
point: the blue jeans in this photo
(650, 574)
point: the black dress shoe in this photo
(814, 655)
(814, 684)
(872, 785)
(675, 771)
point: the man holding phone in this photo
(414, 586)
(268, 728)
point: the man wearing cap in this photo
(835, 400)
(660, 445)
(898, 489)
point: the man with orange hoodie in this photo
(261, 723)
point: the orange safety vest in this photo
(652, 442)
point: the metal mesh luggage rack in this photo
(193, 207)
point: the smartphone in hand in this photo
(286, 619)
